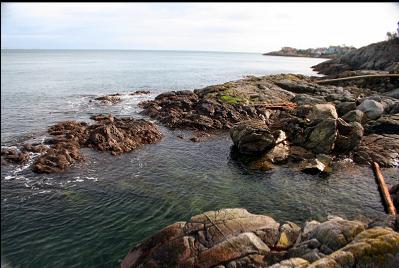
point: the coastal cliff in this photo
(383, 56)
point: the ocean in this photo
(92, 214)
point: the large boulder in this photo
(254, 137)
(322, 136)
(349, 136)
(207, 240)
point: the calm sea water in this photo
(92, 214)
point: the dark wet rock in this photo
(322, 136)
(109, 99)
(353, 116)
(345, 107)
(371, 108)
(386, 124)
(383, 149)
(254, 137)
(58, 158)
(237, 238)
(349, 136)
(14, 156)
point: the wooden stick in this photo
(384, 189)
(357, 77)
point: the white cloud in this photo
(255, 27)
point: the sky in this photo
(241, 27)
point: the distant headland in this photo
(330, 52)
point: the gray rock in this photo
(371, 108)
(393, 93)
(336, 232)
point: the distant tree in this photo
(392, 35)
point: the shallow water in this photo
(91, 215)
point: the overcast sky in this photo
(245, 27)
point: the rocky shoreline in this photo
(301, 121)
(236, 238)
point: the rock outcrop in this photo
(378, 56)
(116, 135)
(236, 238)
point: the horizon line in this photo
(136, 49)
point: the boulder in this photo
(353, 116)
(323, 111)
(228, 236)
(371, 108)
(345, 107)
(349, 136)
(335, 233)
(322, 136)
(254, 137)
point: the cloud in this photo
(254, 27)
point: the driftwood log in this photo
(384, 189)
(356, 77)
